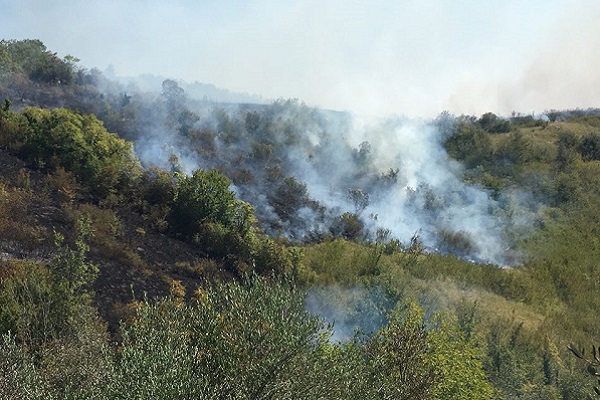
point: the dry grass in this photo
(490, 307)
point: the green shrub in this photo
(470, 144)
(78, 143)
(238, 341)
(79, 366)
(348, 226)
(589, 148)
(19, 378)
(32, 308)
(202, 198)
(458, 361)
(38, 302)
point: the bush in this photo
(470, 144)
(80, 366)
(290, 196)
(202, 198)
(396, 355)
(38, 302)
(206, 211)
(243, 341)
(18, 376)
(493, 124)
(567, 143)
(589, 147)
(348, 226)
(79, 144)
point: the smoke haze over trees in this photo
(160, 244)
(297, 165)
(382, 58)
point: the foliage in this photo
(32, 58)
(69, 266)
(516, 151)
(18, 377)
(567, 150)
(348, 226)
(205, 210)
(61, 138)
(592, 363)
(39, 302)
(81, 365)
(289, 197)
(202, 198)
(397, 357)
(458, 360)
(590, 147)
(493, 124)
(250, 341)
(469, 144)
(528, 121)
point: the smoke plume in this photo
(314, 173)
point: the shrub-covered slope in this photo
(188, 253)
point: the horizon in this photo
(379, 59)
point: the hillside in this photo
(159, 245)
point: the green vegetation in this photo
(205, 197)
(122, 281)
(60, 138)
(30, 57)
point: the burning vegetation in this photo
(159, 246)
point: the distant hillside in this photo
(157, 246)
(196, 90)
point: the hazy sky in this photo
(412, 57)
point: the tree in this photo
(457, 360)
(32, 57)
(363, 156)
(201, 198)
(289, 197)
(589, 147)
(173, 96)
(398, 367)
(252, 121)
(516, 149)
(469, 144)
(568, 144)
(250, 340)
(79, 144)
(359, 198)
(348, 225)
(491, 123)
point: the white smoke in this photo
(400, 164)
(350, 310)
(429, 195)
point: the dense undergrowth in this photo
(124, 280)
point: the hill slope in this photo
(397, 228)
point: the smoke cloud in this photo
(372, 58)
(305, 169)
(350, 310)
(312, 173)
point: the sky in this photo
(381, 57)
